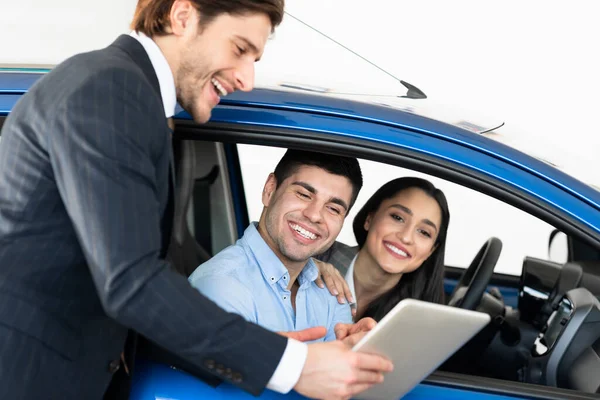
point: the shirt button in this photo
(285, 277)
(210, 364)
(114, 366)
(236, 377)
(220, 369)
(272, 278)
(285, 297)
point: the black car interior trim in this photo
(503, 387)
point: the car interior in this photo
(551, 337)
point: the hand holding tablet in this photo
(417, 337)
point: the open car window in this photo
(525, 275)
(474, 217)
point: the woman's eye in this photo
(425, 233)
(397, 217)
(241, 50)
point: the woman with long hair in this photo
(401, 235)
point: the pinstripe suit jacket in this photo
(84, 222)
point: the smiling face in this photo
(403, 231)
(305, 213)
(212, 60)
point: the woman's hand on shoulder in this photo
(331, 278)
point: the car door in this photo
(542, 222)
(226, 143)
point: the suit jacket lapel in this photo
(169, 213)
(138, 54)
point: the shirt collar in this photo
(350, 279)
(270, 265)
(309, 273)
(163, 72)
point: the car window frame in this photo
(380, 152)
(307, 140)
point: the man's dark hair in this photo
(347, 167)
(152, 16)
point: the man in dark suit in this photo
(85, 214)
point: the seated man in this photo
(268, 275)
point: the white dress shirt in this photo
(290, 366)
(350, 281)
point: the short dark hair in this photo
(152, 16)
(425, 283)
(348, 167)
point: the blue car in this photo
(544, 338)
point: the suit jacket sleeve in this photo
(103, 151)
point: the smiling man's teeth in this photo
(396, 250)
(303, 232)
(219, 87)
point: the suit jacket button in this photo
(114, 366)
(236, 377)
(220, 369)
(210, 364)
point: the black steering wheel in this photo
(470, 288)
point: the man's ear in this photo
(269, 189)
(367, 223)
(183, 16)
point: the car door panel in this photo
(158, 381)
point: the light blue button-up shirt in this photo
(248, 279)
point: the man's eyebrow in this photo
(306, 186)
(339, 202)
(250, 45)
(409, 212)
(310, 188)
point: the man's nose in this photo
(313, 212)
(244, 76)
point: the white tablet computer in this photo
(418, 337)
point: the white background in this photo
(532, 64)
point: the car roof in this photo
(395, 112)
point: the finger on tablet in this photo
(368, 377)
(373, 362)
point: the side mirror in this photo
(558, 247)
